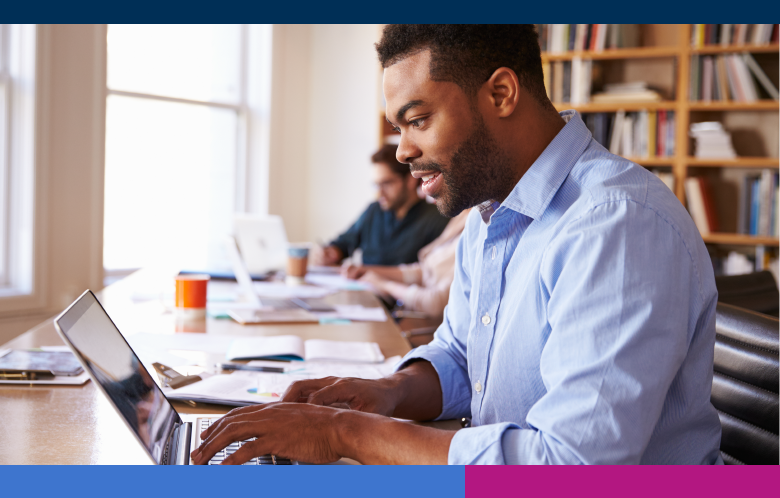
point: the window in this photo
(183, 102)
(17, 167)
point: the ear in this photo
(504, 91)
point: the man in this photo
(580, 327)
(395, 227)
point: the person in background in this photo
(423, 286)
(393, 229)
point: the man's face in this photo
(392, 192)
(444, 138)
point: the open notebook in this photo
(290, 347)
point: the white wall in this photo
(324, 126)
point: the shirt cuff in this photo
(454, 380)
(479, 445)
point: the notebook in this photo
(290, 347)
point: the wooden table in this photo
(77, 425)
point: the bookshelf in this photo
(666, 54)
(663, 59)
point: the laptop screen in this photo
(115, 367)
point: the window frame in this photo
(252, 120)
(18, 142)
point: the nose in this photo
(408, 150)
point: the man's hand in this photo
(326, 255)
(295, 431)
(413, 393)
(352, 272)
(371, 396)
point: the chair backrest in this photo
(754, 291)
(745, 385)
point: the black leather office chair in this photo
(745, 385)
(754, 291)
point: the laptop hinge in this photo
(182, 448)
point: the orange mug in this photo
(191, 295)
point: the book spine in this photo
(696, 205)
(671, 126)
(651, 128)
(765, 208)
(776, 206)
(754, 205)
(709, 204)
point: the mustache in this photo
(425, 167)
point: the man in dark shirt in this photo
(395, 227)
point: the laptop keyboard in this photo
(221, 455)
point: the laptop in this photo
(116, 370)
(262, 240)
(247, 289)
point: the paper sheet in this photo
(257, 387)
(360, 313)
(335, 282)
(283, 291)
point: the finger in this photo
(245, 453)
(303, 388)
(232, 413)
(235, 431)
(339, 392)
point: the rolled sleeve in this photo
(454, 380)
(479, 445)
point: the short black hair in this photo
(468, 54)
(386, 155)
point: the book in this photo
(765, 202)
(760, 75)
(710, 208)
(617, 132)
(557, 84)
(651, 127)
(696, 205)
(291, 347)
(776, 220)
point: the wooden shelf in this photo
(610, 107)
(652, 161)
(739, 239)
(740, 162)
(729, 49)
(759, 105)
(615, 53)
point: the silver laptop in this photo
(116, 370)
(262, 240)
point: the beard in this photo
(478, 171)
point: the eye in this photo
(396, 129)
(416, 123)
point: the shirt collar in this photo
(538, 186)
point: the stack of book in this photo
(712, 141)
(728, 77)
(641, 134)
(558, 38)
(733, 34)
(568, 81)
(758, 206)
(701, 204)
(637, 91)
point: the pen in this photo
(241, 366)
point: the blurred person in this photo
(393, 229)
(423, 286)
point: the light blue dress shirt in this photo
(581, 321)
